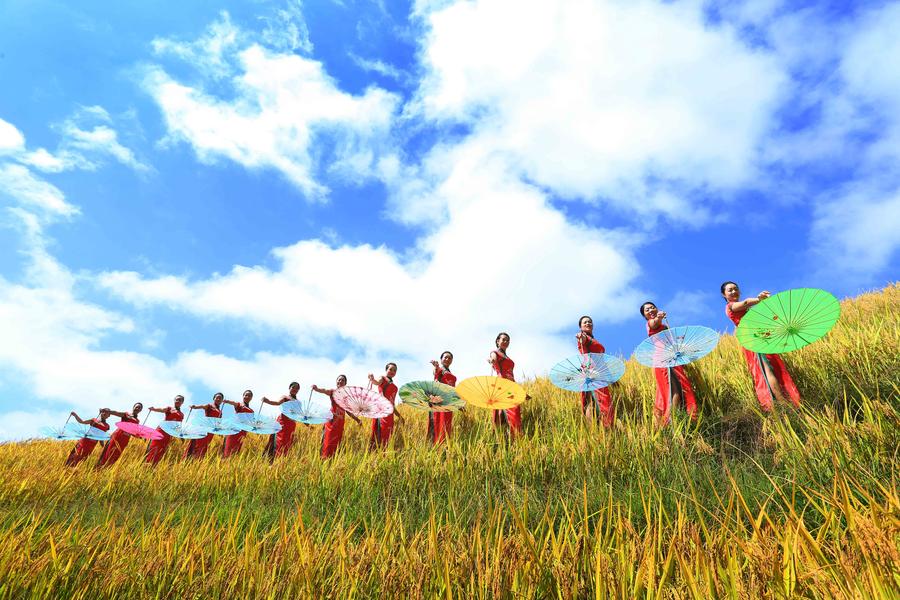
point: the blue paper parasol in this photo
(311, 412)
(97, 434)
(254, 423)
(676, 346)
(183, 431)
(217, 426)
(70, 431)
(587, 372)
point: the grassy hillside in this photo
(737, 505)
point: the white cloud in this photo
(88, 140)
(487, 269)
(51, 341)
(685, 305)
(846, 96)
(286, 29)
(11, 139)
(611, 100)
(211, 53)
(869, 67)
(20, 186)
(854, 228)
(287, 113)
(51, 338)
(269, 374)
(855, 235)
(379, 67)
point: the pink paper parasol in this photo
(141, 431)
(363, 402)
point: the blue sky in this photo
(206, 196)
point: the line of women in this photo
(673, 388)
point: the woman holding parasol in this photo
(598, 402)
(85, 445)
(119, 439)
(440, 422)
(234, 442)
(672, 384)
(280, 442)
(157, 448)
(198, 448)
(503, 366)
(770, 375)
(333, 430)
(384, 426)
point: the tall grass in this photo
(737, 505)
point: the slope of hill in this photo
(802, 502)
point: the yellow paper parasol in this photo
(491, 392)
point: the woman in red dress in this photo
(672, 384)
(198, 448)
(770, 375)
(598, 403)
(503, 367)
(234, 442)
(382, 428)
(279, 443)
(157, 448)
(119, 439)
(85, 446)
(333, 431)
(440, 423)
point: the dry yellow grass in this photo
(801, 503)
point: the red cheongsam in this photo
(511, 417)
(382, 428)
(599, 402)
(235, 441)
(755, 363)
(665, 390)
(198, 448)
(157, 448)
(441, 422)
(333, 431)
(85, 446)
(116, 444)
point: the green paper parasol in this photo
(788, 321)
(431, 395)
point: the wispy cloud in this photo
(379, 67)
(88, 141)
(285, 113)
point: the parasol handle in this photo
(308, 402)
(188, 417)
(261, 404)
(147, 416)
(67, 420)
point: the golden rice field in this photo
(738, 505)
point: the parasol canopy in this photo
(183, 431)
(788, 321)
(70, 431)
(363, 402)
(491, 392)
(254, 423)
(676, 346)
(587, 372)
(432, 396)
(97, 434)
(141, 431)
(217, 426)
(313, 411)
